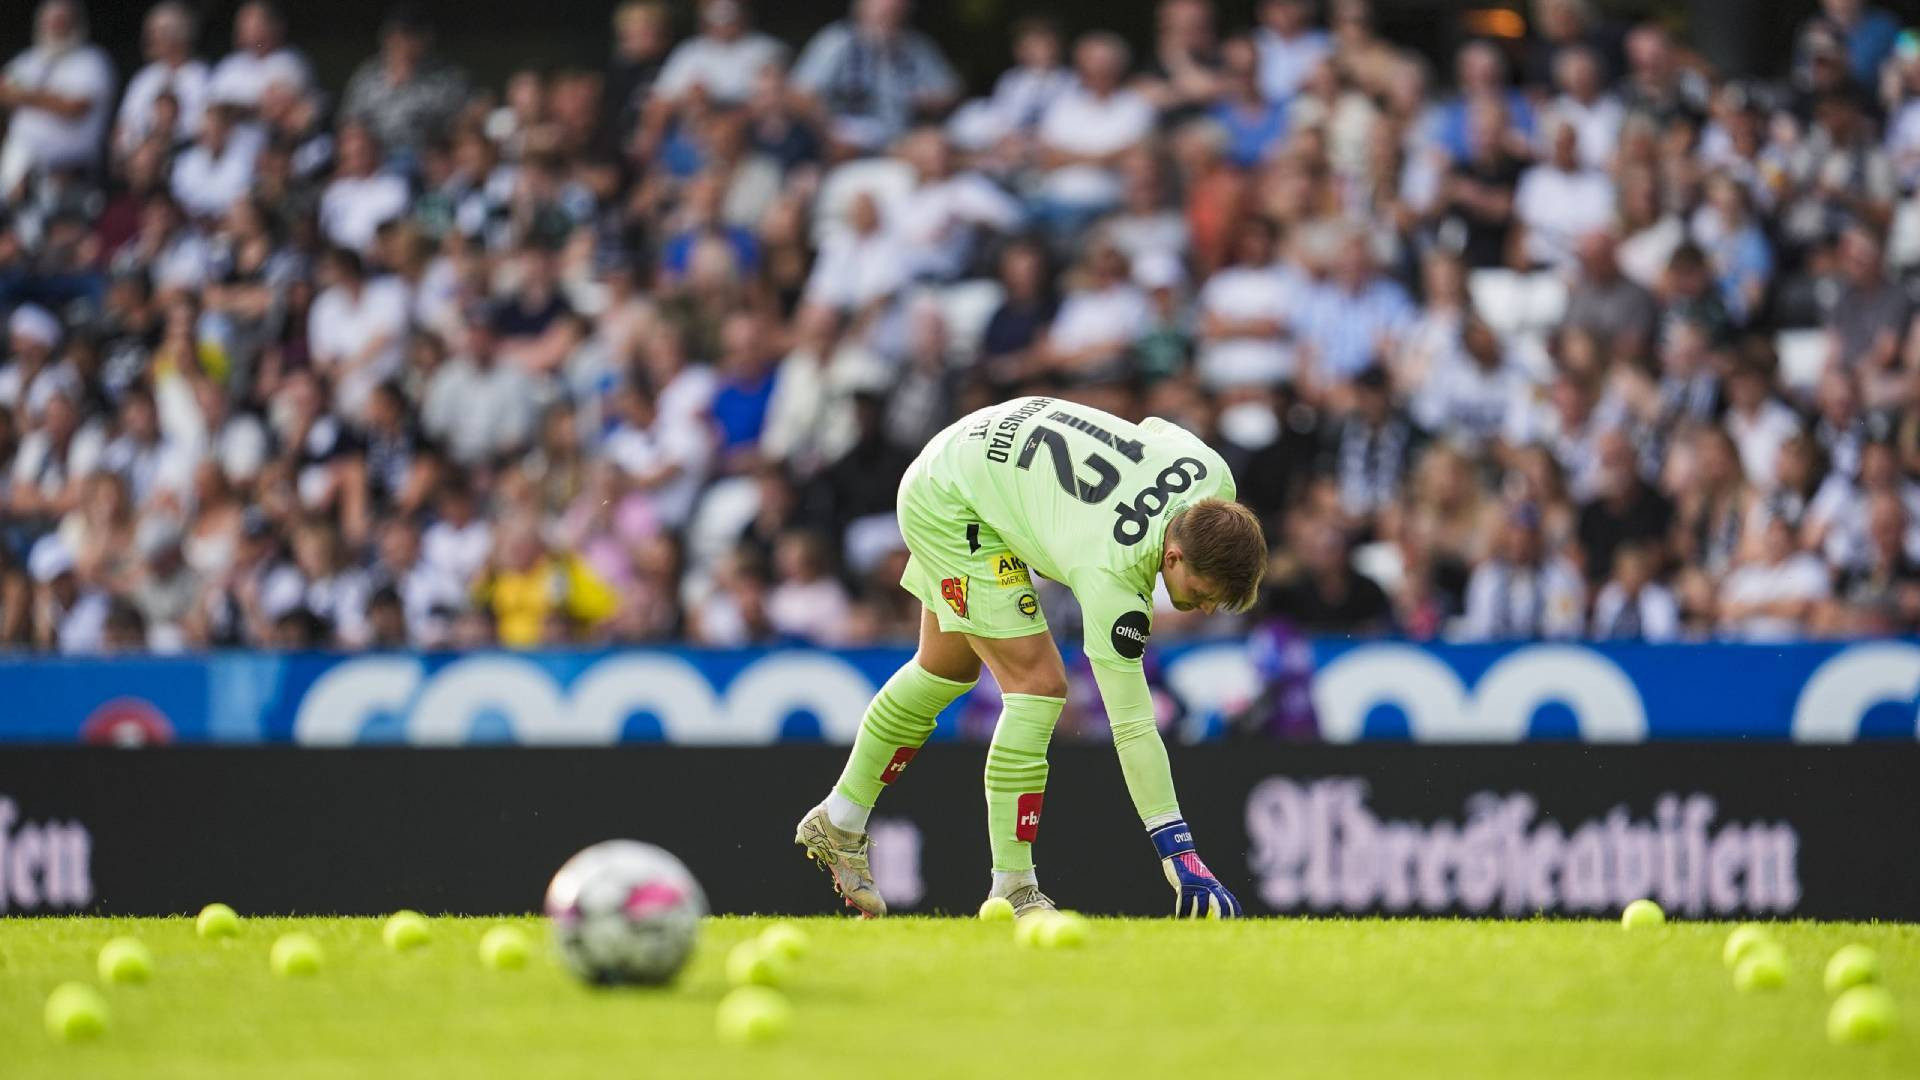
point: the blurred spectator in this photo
(260, 59)
(1087, 132)
(1290, 45)
(1005, 121)
(806, 602)
(1633, 605)
(1254, 123)
(1246, 311)
(873, 75)
(172, 70)
(1624, 513)
(1326, 595)
(57, 95)
(1775, 591)
(405, 96)
(539, 596)
(721, 61)
(1356, 316)
(1523, 591)
(1560, 200)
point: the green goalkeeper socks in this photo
(897, 722)
(1017, 777)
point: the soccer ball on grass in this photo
(624, 913)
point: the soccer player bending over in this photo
(1101, 506)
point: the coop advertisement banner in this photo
(1711, 832)
(1269, 685)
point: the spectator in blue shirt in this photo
(1357, 314)
(872, 74)
(1253, 123)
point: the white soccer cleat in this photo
(1027, 900)
(843, 855)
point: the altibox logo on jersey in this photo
(1130, 633)
(1317, 845)
(43, 865)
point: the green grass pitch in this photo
(950, 997)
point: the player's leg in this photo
(1033, 685)
(900, 718)
(896, 724)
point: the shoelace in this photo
(1028, 894)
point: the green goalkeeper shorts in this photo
(960, 568)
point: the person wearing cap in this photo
(405, 95)
(69, 616)
(57, 97)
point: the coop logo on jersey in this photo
(43, 864)
(1130, 633)
(1009, 570)
(1029, 604)
(954, 591)
(1026, 816)
(1317, 845)
(1135, 514)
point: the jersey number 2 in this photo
(1056, 443)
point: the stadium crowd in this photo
(1568, 336)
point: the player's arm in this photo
(1118, 624)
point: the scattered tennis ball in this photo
(505, 948)
(295, 954)
(1741, 941)
(1643, 915)
(125, 960)
(405, 930)
(1861, 1014)
(1851, 966)
(217, 921)
(1065, 930)
(753, 1014)
(785, 940)
(996, 909)
(751, 964)
(1029, 929)
(76, 1011)
(1764, 968)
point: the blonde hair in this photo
(1223, 542)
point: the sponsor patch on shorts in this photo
(1029, 604)
(1009, 570)
(954, 591)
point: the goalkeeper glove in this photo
(1198, 894)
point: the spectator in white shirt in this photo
(1471, 394)
(721, 61)
(860, 266)
(356, 330)
(1099, 319)
(1632, 606)
(1020, 96)
(360, 197)
(1245, 314)
(1560, 200)
(56, 96)
(171, 69)
(1758, 422)
(1772, 597)
(1584, 104)
(938, 223)
(479, 405)
(459, 540)
(1290, 45)
(217, 170)
(808, 602)
(1087, 131)
(259, 59)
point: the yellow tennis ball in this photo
(751, 964)
(1065, 930)
(505, 948)
(1861, 1014)
(785, 940)
(753, 1014)
(1642, 915)
(295, 954)
(217, 921)
(405, 930)
(125, 960)
(75, 1011)
(1851, 966)
(1765, 968)
(1741, 941)
(996, 909)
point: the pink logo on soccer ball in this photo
(646, 901)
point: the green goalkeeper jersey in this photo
(1077, 494)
